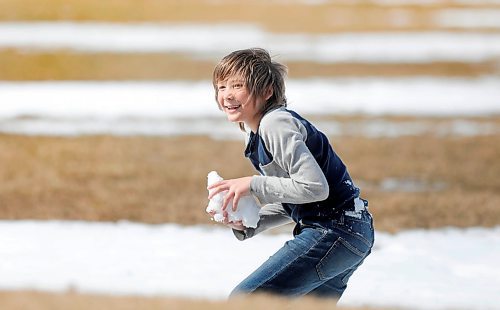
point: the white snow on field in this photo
(468, 18)
(433, 269)
(108, 99)
(410, 96)
(208, 40)
(176, 108)
(220, 128)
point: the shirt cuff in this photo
(243, 234)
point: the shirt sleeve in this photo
(284, 137)
(271, 215)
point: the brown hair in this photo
(259, 72)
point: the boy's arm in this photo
(271, 215)
(284, 137)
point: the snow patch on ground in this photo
(420, 269)
(210, 41)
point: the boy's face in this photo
(235, 100)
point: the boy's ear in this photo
(269, 93)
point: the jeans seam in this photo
(324, 233)
(355, 235)
(335, 245)
(318, 270)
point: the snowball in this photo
(359, 206)
(247, 212)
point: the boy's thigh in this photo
(296, 269)
(289, 270)
(334, 287)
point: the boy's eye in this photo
(238, 85)
(221, 87)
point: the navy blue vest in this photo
(342, 189)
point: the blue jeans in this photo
(317, 262)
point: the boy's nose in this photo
(228, 95)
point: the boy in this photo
(301, 179)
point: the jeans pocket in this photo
(340, 257)
(361, 229)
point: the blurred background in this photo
(107, 112)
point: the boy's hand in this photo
(238, 225)
(236, 188)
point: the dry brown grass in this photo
(27, 300)
(61, 65)
(162, 179)
(275, 16)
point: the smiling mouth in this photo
(232, 108)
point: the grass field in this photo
(27, 300)
(163, 179)
(21, 66)
(277, 16)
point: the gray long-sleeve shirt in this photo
(301, 175)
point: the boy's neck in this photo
(254, 125)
